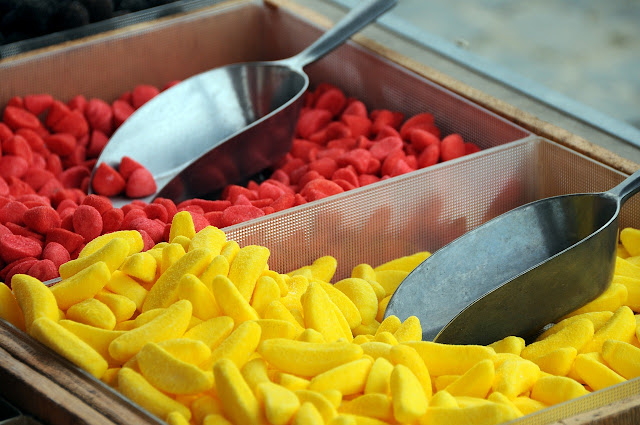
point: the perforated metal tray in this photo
(426, 209)
(399, 216)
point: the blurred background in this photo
(588, 50)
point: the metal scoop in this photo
(226, 124)
(519, 272)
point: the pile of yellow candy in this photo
(201, 331)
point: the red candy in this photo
(384, 147)
(324, 166)
(154, 228)
(347, 174)
(16, 101)
(68, 239)
(57, 111)
(169, 205)
(333, 100)
(20, 266)
(13, 166)
(429, 156)
(5, 132)
(308, 177)
(65, 204)
(358, 158)
(56, 253)
(199, 221)
(303, 149)
(18, 146)
(470, 148)
(99, 115)
(337, 130)
(147, 242)
(61, 143)
(401, 167)
(107, 181)
(239, 213)
(356, 108)
(121, 111)
(15, 247)
(17, 118)
(385, 118)
(452, 147)
(424, 121)
(100, 203)
(78, 102)
(73, 176)
(17, 229)
(130, 215)
(37, 103)
(319, 188)
(112, 220)
(127, 166)
(97, 141)
(420, 139)
(32, 200)
(142, 94)
(54, 164)
(359, 126)
(18, 187)
(87, 222)
(206, 205)
(12, 212)
(41, 219)
(387, 131)
(270, 190)
(4, 187)
(287, 200)
(140, 184)
(311, 121)
(43, 270)
(73, 123)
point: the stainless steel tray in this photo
(399, 216)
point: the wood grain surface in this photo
(47, 386)
(623, 412)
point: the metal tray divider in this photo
(418, 211)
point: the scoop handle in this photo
(629, 187)
(359, 17)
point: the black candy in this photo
(23, 19)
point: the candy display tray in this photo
(421, 210)
(399, 216)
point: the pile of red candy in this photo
(49, 149)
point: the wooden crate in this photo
(44, 385)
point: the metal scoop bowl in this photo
(226, 124)
(519, 272)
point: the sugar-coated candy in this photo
(171, 374)
(82, 285)
(67, 344)
(35, 299)
(171, 323)
(137, 388)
